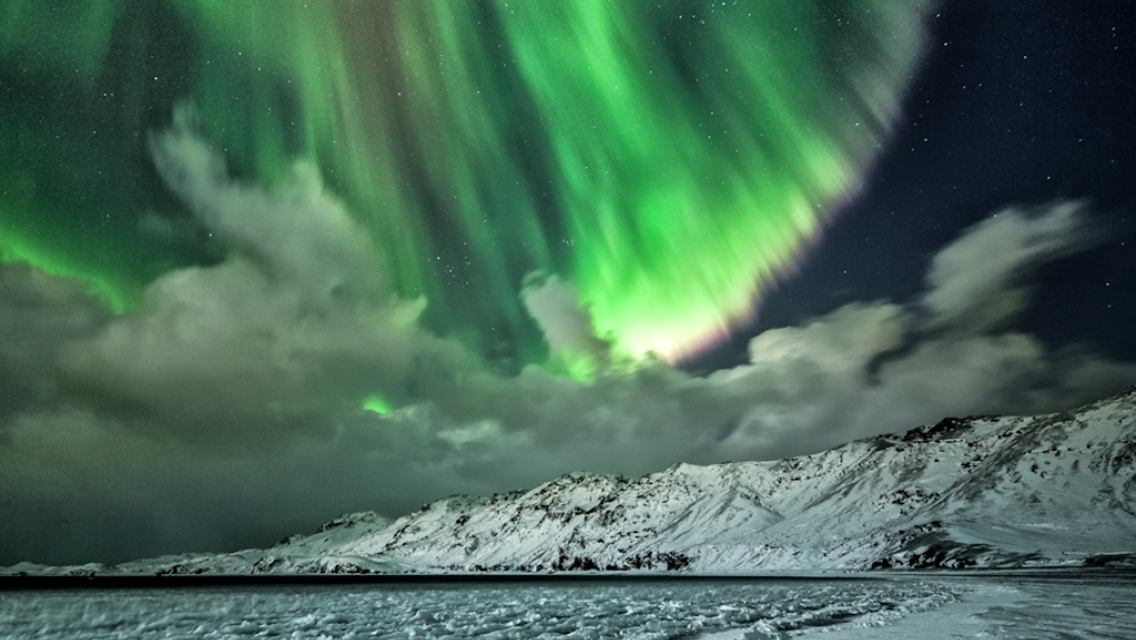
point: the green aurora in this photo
(669, 159)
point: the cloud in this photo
(981, 280)
(39, 314)
(878, 367)
(290, 330)
(226, 412)
(567, 326)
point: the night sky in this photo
(265, 263)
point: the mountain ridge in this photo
(1051, 490)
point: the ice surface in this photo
(579, 609)
(829, 609)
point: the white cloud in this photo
(567, 326)
(982, 279)
(289, 331)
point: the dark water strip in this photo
(177, 581)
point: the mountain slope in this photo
(1049, 490)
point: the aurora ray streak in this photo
(670, 159)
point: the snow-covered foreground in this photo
(1023, 607)
(1089, 606)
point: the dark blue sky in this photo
(1018, 103)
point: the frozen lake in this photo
(1065, 606)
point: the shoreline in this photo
(43, 582)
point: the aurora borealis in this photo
(266, 262)
(668, 160)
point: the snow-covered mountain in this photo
(1051, 490)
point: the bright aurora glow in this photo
(668, 160)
